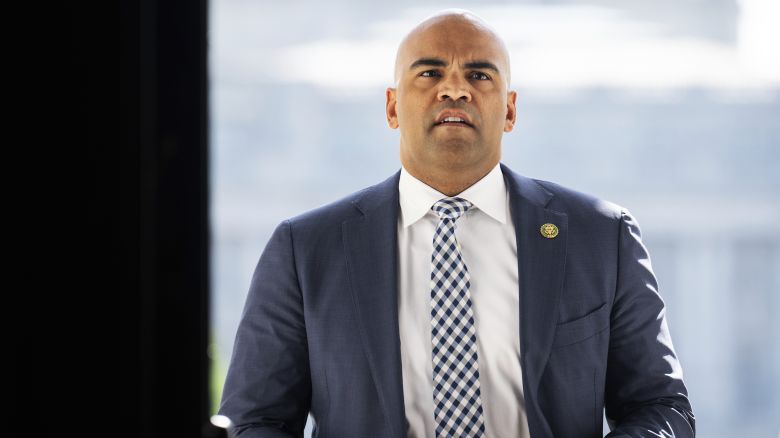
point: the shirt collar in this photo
(488, 194)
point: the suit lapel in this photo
(370, 243)
(541, 264)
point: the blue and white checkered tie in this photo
(456, 394)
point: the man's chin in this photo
(453, 153)
(453, 143)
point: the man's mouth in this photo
(453, 121)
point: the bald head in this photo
(448, 26)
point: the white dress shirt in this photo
(487, 240)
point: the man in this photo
(456, 298)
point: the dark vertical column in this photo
(162, 218)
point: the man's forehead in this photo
(443, 54)
(449, 52)
(459, 37)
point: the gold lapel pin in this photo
(549, 231)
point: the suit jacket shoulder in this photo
(575, 202)
(362, 201)
(580, 207)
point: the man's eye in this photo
(480, 76)
(429, 74)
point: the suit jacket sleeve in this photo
(267, 391)
(645, 394)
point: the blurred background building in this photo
(669, 108)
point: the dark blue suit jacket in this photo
(319, 330)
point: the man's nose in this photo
(455, 88)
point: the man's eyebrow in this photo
(436, 62)
(432, 62)
(482, 65)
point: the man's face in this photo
(451, 101)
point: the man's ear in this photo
(511, 111)
(392, 116)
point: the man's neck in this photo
(448, 181)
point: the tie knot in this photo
(451, 208)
